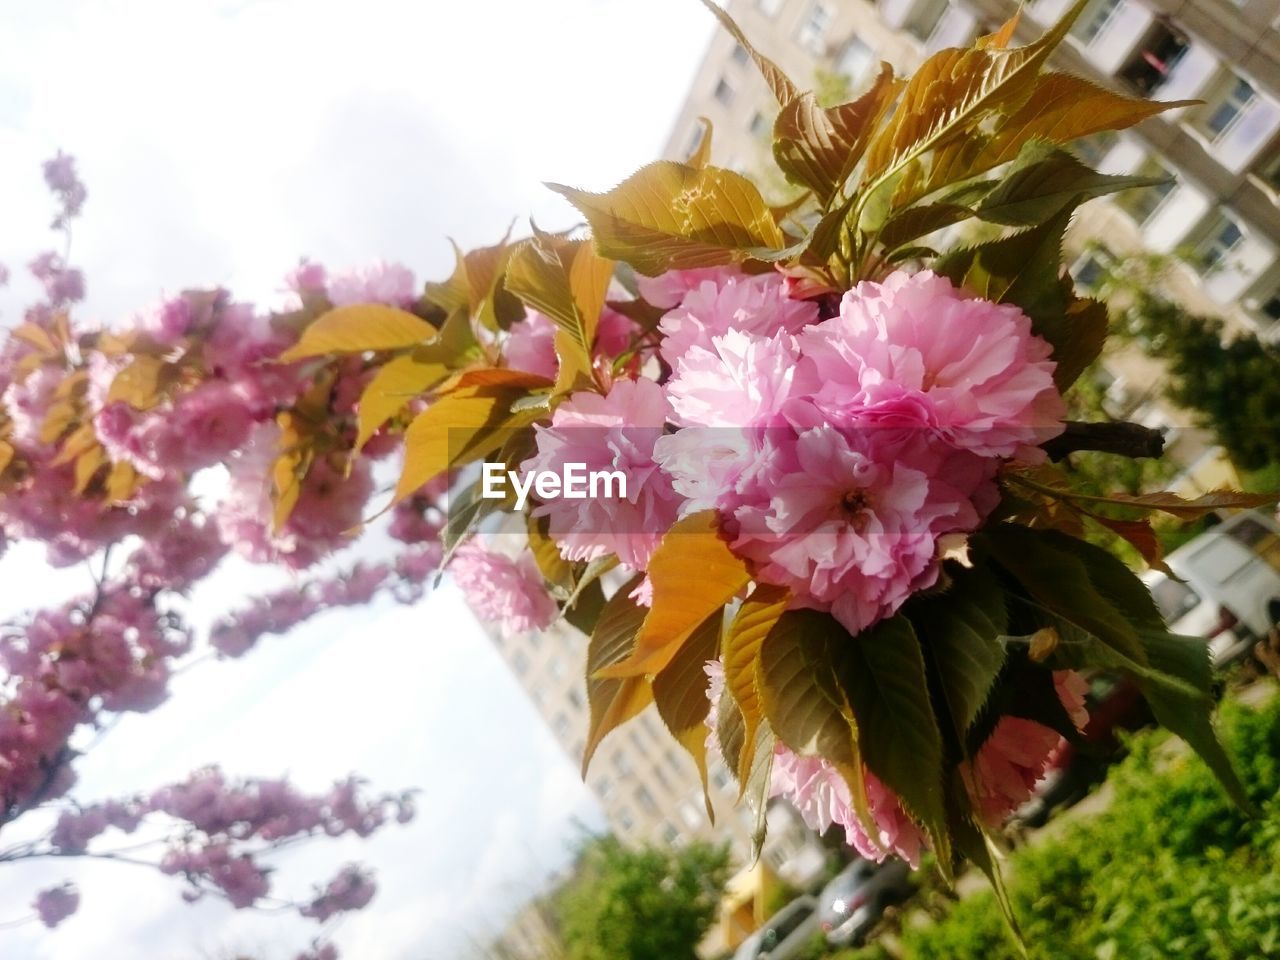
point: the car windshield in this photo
(1174, 599)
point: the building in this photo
(1222, 212)
(649, 790)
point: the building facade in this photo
(1221, 213)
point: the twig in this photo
(1121, 438)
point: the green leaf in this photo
(818, 148)
(960, 631)
(588, 604)
(613, 702)
(1043, 181)
(555, 569)
(694, 574)
(358, 328)
(741, 656)
(465, 509)
(1046, 565)
(917, 222)
(755, 786)
(671, 216)
(881, 671)
(680, 691)
(1189, 714)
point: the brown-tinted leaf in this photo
(680, 691)
(396, 383)
(613, 702)
(741, 655)
(360, 327)
(668, 215)
(783, 89)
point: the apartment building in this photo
(1222, 213)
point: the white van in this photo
(1231, 593)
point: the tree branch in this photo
(1121, 438)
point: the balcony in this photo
(955, 28)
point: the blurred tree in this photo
(647, 904)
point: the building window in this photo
(691, 815)
(663, 780)
(739, 55)
(724, 92)
(695, 139)
(625, 820)
(1094, 20)
(926, 19)
(670, 834)
(854, 59)
(1142, 203)
(520, 660)
(645, 799)
(759, 125)
(557, 666)
(770, 8)
(813, 28)
(1092, 149)
(604, 787)
(561, 725)
(1223, 112)
(575, 698)
(720, 777)
(1271, 308)
(1222, 239)
(621, 764)
(1092, 267)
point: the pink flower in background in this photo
(756, 305)
(615, 432)
(914, 353)
(379, 282)
(531, 345)
(168, 321)
(531, 342)
(27, 402)
(56, 904)
(504, 591)
(307, 277)
(821, 796)
(1004, 772)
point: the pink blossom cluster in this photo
(505, 591)
(109, 653)
(1001, 777)
(837, 452)
(216, 833)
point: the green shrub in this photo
(1169, 869)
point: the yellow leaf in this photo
(122, 482)
(37, 337)
(394, 385)
(83, 438)
(138, 384)
(783, 89)
(694, 574)
(758, 614)
(680, 691)
(668, 215)
(6, 455)
(357, 328)
(470, 421)
(87, 466)
(701, 155)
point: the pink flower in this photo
(737, 380)
(531, 342)
(531, 345)
(757, 305)
(379, 282)
(914, 353)
(169, 321)
(56, 904)
(1004, 772)
(822, 798)
(616, 432)
(501, 590)
(849, 521)
(668, 289)
(27, 402)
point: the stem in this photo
(1120, 438)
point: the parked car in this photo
(1230, 585)
(1115, 704)
(855, 899)
(785, 934)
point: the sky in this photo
(221, 141)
